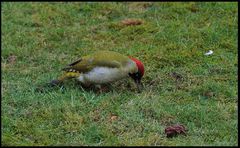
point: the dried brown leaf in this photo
(174, 130)
(129, 22)
(113, 117)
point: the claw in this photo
(55, 83)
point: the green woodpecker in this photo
(103, 67)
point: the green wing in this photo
(100, 58)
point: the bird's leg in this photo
(66, 75)
(86, 86)
(139, 85)
(137, 79)
(103, 88)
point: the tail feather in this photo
(66, 69)
(69, 67)
(74, 63)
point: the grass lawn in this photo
(181, 84)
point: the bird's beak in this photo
(139, 85)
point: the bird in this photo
(103, 67)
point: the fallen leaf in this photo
(113, 117)
(132, 22)
(174, 130)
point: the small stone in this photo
(132, 22)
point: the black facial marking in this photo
(137, 79)
(135, 76)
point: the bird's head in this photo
(139, 74)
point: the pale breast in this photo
(100, 75)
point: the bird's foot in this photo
(54, 83)
(103, 88)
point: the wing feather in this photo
(101, 59)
